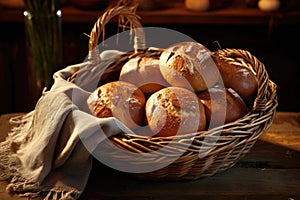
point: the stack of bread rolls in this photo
(185, 90)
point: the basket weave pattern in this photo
(204, 153)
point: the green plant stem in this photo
(43, 26)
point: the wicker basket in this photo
(194, 155)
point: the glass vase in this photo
(44, 37)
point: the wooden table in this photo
(271, 170)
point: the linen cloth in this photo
(44, 154)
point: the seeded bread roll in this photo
(143, 72)
(189, 65)
(175, 111)
(118, 99)
(222, 105)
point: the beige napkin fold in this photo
(45, 153)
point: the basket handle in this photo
(123, 9)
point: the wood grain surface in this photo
(271, 170)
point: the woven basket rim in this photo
(262, 111)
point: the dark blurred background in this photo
(272, 37)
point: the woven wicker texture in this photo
(194, 155)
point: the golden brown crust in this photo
(118, 99)
(222, 105)
(238, 77)
(189, 65)
(175, 110)
(143, 72)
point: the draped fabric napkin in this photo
(44, 154)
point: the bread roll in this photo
(204, 5)
(118, 99)
(189, 65)
(144, 73)
(222, 105)
(173, 110)
(238, 77)
(197, 5)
